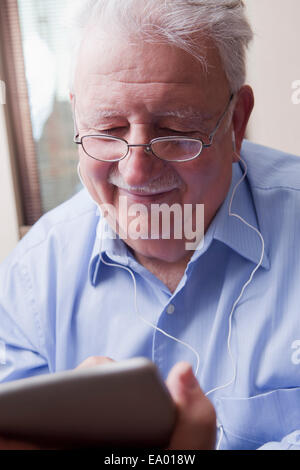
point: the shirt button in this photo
(170, 309)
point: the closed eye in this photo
(181, 132)
(112, 131)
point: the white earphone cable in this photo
(231, 214)
(147, 321)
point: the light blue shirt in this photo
(59, 305)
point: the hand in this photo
(94, 361)
(12, 444)
(196, 421)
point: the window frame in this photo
(23, 151)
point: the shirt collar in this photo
(107, 242)
(231, 230)
(227, 229)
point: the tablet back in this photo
(117, 404)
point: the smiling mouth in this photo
(150, 190)
(144, 195)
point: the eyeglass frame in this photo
(148, 147)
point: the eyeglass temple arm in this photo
(211, 136)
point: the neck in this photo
(170, 273)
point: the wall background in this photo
(273, 65)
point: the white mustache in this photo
(163, 184)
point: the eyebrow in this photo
(185, 114)
(93, 118)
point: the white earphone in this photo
(230, 214)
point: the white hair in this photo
(178, 22)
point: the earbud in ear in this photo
(79, 174)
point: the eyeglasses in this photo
(107, 148)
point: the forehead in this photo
(112, 68)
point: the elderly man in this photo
(160, 109)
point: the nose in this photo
(140, 166)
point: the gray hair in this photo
(177, 22)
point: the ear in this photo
(241, 115)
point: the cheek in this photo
(92, 169)
(198, 175)
(95, 176)
(207, 179)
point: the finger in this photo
(94, 361)
(11, 444)
(195, 425)
(182, 383)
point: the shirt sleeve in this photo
(289, 442)
(22, 352)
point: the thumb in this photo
(196, 420)
(182, 383)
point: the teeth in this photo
(146, 191)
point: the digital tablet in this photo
(116, 404)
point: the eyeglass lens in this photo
(110, 149)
